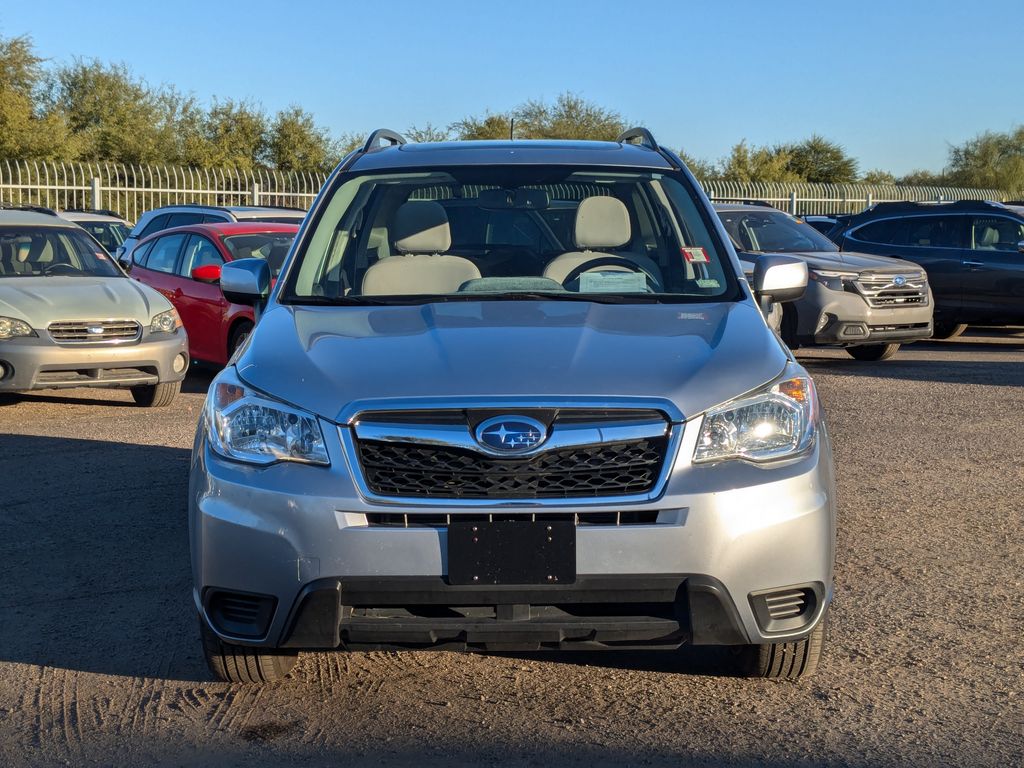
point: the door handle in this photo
(974, 264)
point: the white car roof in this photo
(81, 216)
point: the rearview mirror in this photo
(779, 278)
(246, 281)
(207, 273)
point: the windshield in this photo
(43, 251)
(773, 231)
(495, 232)
(272, 246)
(110, 234)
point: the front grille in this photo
(93, 332)
(881, 291)
(425, 471)
(442, 520)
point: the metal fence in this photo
(133, 189)
(808, 199)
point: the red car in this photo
(184, 265)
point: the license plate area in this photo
(512, 552)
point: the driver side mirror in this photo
(1020, 247)
(207, 273)
(246, 281)
(779, 278)
(125, 262)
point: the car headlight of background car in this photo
(776, 423)
(11, 327)
(165, 322)
(830, 279)
(248, 426)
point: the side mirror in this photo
(208, 273)
(1020, 247)
(125, 262)
(779, 278)
(246, 281)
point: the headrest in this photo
(602, 222)
(421, 227)
(989, 236)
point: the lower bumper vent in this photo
(784, 609)
(240, 614)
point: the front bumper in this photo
(296, 541)
(28, 363)
(826, 317)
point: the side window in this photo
(139, 254)
(883, 232)
(931, 232)
(198, 253)
(164, 255)
(183, 219)
(156, 225)
(995, 233)
(214, 218)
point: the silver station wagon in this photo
(69, 317)
(512, 395)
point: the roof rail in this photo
(743, 201)
(5, 206)
(954, 205)
(98, 211)
(646, 138)
(373, 140)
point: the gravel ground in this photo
(100, 662)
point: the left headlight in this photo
(165, 322)
(12, 326)
(776, 423)
(246, 425)
(832, 280)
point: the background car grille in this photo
(89, 332)
(880, 291)
(606, 469)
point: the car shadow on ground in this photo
(94, 561)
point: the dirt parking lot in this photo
(100, 662)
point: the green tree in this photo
(427, 133)
(26, 131)
(922, 178)
(296, 143)
(991, 160)
(233, 133)
(490, 126)
(702, 169)
(878, 176)
(821, 161)
(744, 164)
(569, 117)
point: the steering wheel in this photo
(610, 261)
(60, 265)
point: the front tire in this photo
(873, 352)
(156, 395)
(240, 664)
(238, 337)
(786, 661)
(947, 330)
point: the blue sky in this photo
(894, 82)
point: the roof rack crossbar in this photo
(393, 139)
(640, 136)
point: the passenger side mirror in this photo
(1020, 247)
(207, 273)
(246, 281)
(125, 262)
(779, 278)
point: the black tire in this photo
(240, 664)
(786, 661)
(238, 337)
(873, 352)
(947, 330)
(157, 395)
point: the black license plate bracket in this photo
(512, 552)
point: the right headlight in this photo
(776, 423)
(831, 279)
(246, 425)
(12, 326)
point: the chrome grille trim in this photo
(880, 290)
(616, 518)
(95, 331)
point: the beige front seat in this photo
(421, 235)
(602, 224)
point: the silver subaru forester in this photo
(507, 396)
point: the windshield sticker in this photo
(696, 255)
(613, 282)
(692, 316)
(708, 282)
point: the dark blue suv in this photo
(972, 250)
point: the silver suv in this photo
(511, 395)
(170, 216)
(69, 317)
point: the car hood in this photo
(329, 359)
(40, 301)
(848, 260)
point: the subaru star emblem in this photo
(510, 434)
(899, 280)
